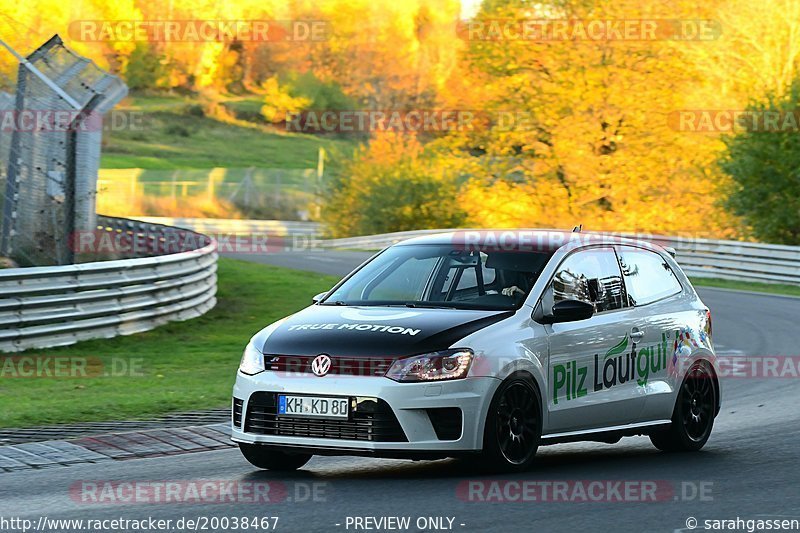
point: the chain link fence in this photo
(50, 133)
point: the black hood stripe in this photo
(344, 331)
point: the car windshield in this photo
(448, 276)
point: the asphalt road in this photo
(749, 469)
(331, 262)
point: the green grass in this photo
(184, 365)
(170, 135)
(770, 288)
(246, 108)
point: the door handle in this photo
(637, 334)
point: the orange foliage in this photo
(598, 148)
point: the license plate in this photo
(313, 406)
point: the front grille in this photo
(446, 422)
(371, 420)
(349, 366)
(237, 412)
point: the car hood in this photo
(351, 331)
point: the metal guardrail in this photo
(732, 260)
(735, 260)
(55, 306)
(231, 226)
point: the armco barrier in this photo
(746, 261)
(54, 306)
(232, 226)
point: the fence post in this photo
(12, 174)
(71, 174)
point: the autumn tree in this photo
(144, 69)
(756, 55)
(588, 139)
(764, 165)
(391, 185)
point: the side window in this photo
(647, 276)
(590, 276)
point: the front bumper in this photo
(409, 402)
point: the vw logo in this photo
(321, 365)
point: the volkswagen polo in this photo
(487, 345)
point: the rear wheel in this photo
(513, 426)
(268, 459)
(693, 417)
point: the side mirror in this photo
(570, 311)
(318, 297)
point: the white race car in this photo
(486, 344)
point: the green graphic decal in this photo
(616, 367)
(618, 349)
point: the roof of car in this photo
(530, 240)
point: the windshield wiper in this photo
(424, 305)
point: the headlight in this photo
(447, 364)
(252, 360)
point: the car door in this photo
(590, 372)
(654, 291)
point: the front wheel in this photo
(268, 459)
(513, 426)
(693, 417)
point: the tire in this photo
(693, 416)
(513, 426)
(268, 459)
